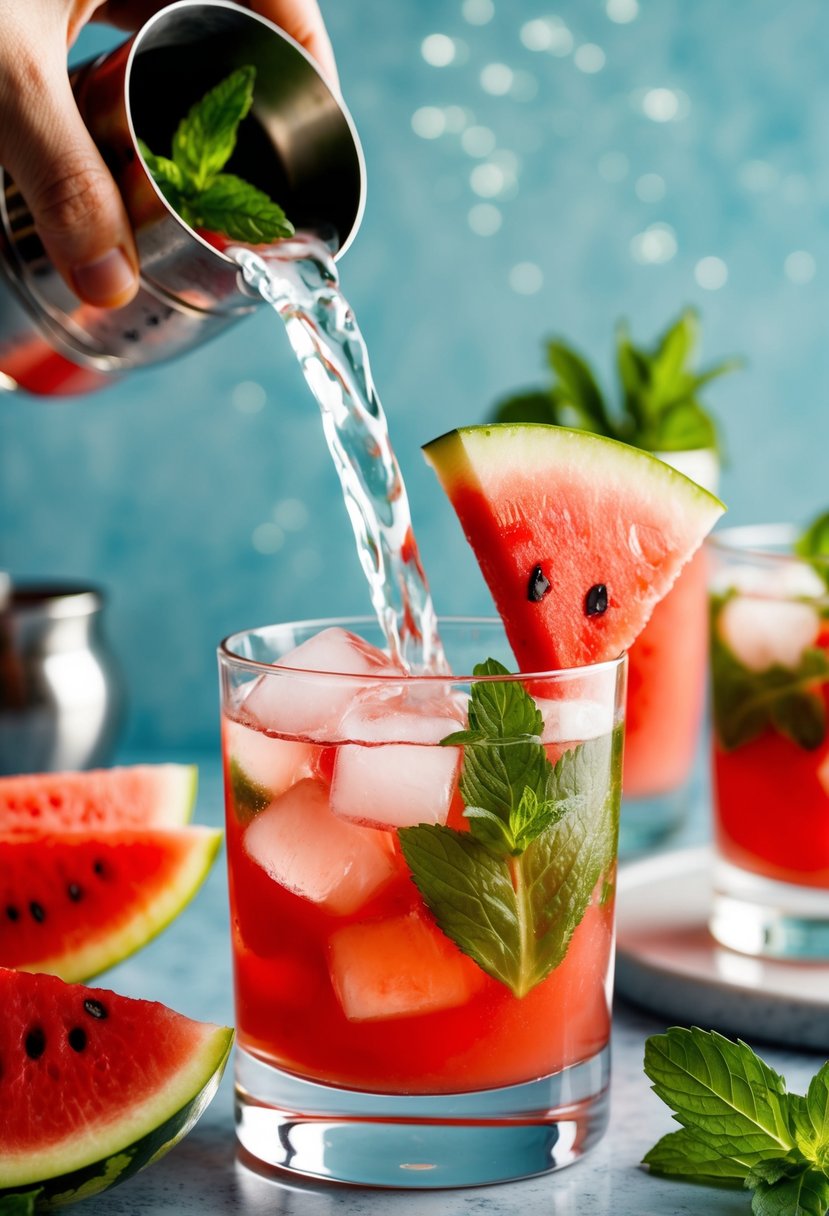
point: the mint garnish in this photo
(659, 408)
(745, 702)
(740, 1125)
(22, 1204)
(511, 891)
(193, 182)
(249, 797)
(813, 546)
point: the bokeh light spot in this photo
(656, 245)
(800, 267)
(589, 58)
(248, 397)
(526, 278)
(291, 514)
(478, 141)
(547, 34)
(650, 188)
(478, 12)
(429, 122)
(496, 78)
(268, 538)
(487, 180)
(622, 11)
(711, 273)
(485, 219)
(439, 50)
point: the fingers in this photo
(75, 204)
(302, 19)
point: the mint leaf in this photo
(527, 407)
(810, 1120)
(745, 703)
(576, 388)
(23, 1204)
(249, 798)
(204, 140)
(801, 1190)
(683, 1155)
(516, 915)
(814, 544)
(234, 207)
(722, 1092)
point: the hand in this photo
(46, 148)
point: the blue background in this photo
(645, 139)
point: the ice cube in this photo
(397, 775)
(398, 968)
(574, 721)
(307, 705)
(306, 849)
(762, 633)
(272, 764)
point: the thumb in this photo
(75, 204)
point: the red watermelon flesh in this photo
(146, 795)
(74, 903)
(88, 1074)
(562, 521)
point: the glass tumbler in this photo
(770, 684)
(422, 991)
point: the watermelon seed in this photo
(538, 585)
(74, 892)
(595, 602)
(38, 911)
(77, 1038)
(35, 1043)
(12, 912)
(100, 869)
(95, 1009)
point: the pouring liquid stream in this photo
(299, 280)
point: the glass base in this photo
(646, 823)
(420, 1141)
(766, 918)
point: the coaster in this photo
(668, 963)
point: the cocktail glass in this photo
(666, 693)
(770, 684)
(371, 1049)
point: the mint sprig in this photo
(193, 182)
(512, 890)
(787, 700)
(813, 545)
(659, 408)
(740, 1125)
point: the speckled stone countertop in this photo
(188, 968)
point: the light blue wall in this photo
(156, 488)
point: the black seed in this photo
(77, 1038)
(538, 585)
(38, 911)
(132, 335)
(74, 892)
(12, 912)
(35, 1043)
(99, 868)
(94, 1008)
(595, 602)
(152, 319)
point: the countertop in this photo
(188, 968)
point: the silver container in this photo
(299, 145)
(61, 695)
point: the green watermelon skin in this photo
(141, 795)
(99, 1115)
(75, 903)
(585, 510)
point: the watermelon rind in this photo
(95, 798)
(105, 946)
(87, 1164)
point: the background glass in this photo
(370, 1049)
(770, 688)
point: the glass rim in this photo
(228, 655)
(761, 542)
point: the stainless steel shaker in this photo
(61, 697)
(300, 146)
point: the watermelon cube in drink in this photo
(770, 684)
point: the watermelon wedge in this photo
(94, 1085)
(145, 795)
(578, 537)
(75, 903)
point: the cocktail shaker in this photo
(299, 146)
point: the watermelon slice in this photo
(146, 795)
(94, 1085)
(75, 903)
(577, 536)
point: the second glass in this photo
(770, 690)
(418, 1004)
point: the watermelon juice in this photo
(770, 687)
(379, 947)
